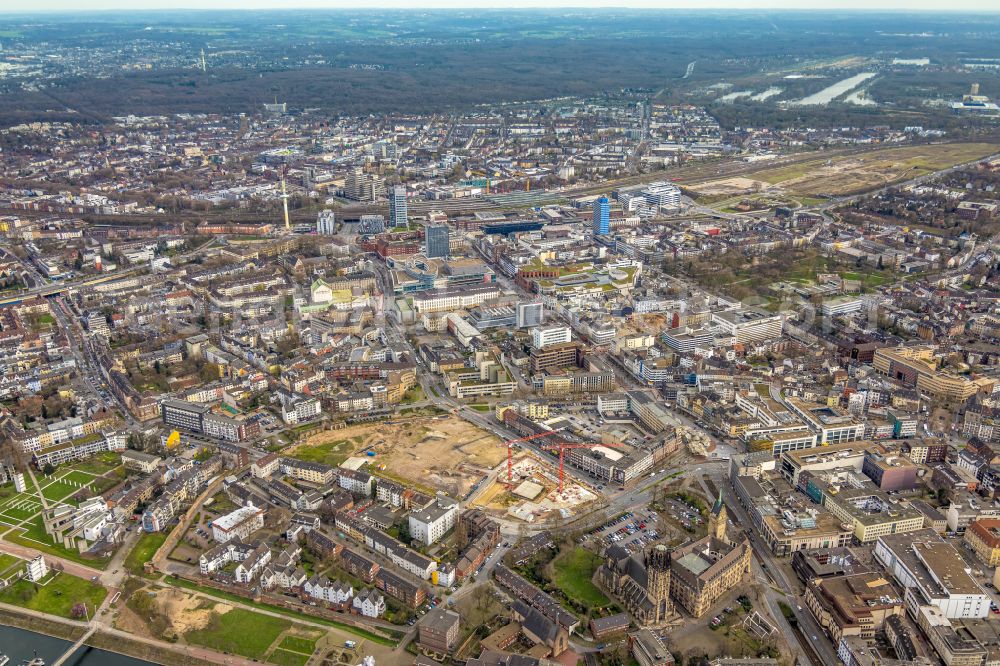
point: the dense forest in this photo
(429, 61)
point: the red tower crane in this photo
(510, 455)
(562, 446)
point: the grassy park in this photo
(574, 570)
(240, 632)
(56, 595)
(144, 550)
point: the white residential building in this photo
(369, 603)
(326, 223)
(749, 325)
(238, 524)
(323, 589)
(550, 335)
(300, 409)
(37, 569)
(431, 523)
(356, 481)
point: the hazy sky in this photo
(126, 5)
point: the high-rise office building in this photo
(326, 223)
(397, 206)
(361, 186)
(356, 183)
(438, 240)
(602, 217)
(529, 314)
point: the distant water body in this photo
(21, 645)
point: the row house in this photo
(322, 588)
(394, 585)
(359, 566)
(405, 558)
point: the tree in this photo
(14, 455)
(483, 595)
(209, 372)
(48, 469)
(944, 495)
(326, 513)
(143, 441)
(79, 611)
(404, 532)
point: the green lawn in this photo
(78, 477)
(329, 453)
(221, 504)
(58, 490)
(286, 658)
(867, 279)
(19, 514)
(412, 395)
(240, 632)
(144, 550)
(8, 562)
(57, 597)
(481, 408)
(19, 498)
(298, 644)
(100, 463)
(103, 483)
(574, 571)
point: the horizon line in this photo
(681, 6)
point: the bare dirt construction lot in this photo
(849, 174)
(442, 453)
(729, 187)
(166, 611)
(186, 612)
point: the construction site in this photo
(845, 174)
(532, 491)
(439, 453)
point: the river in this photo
(21, 644)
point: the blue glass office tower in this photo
(602, 217)
(438, 240)
(397, 207)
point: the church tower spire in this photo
(718, 519)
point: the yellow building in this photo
(983, 536)
(872, 514)
(852, 605)
(916, 366)
(703, 571)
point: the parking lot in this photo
(683, 513)
(633, 531)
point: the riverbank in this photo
(150, 653)
(102, 640)
(54, 628)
